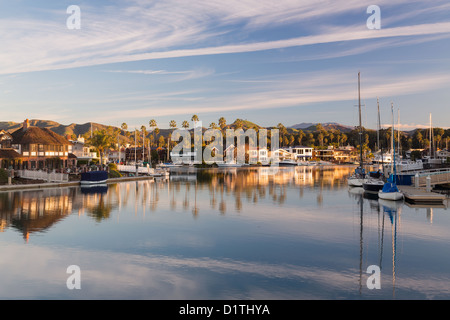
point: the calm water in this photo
(222, 234)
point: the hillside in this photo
(327, 126)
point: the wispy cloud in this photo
(181, 75)
(171, 29)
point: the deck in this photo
(421, 195)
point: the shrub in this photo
(3, 176)
(114, 174)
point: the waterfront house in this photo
(300, 152)
(40, 148)
(81, 151)
(260, 155)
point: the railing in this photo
(41, 175)
(431, 177)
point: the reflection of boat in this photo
(95, 188)
(356, 191)
(93, 177)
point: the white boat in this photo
(390, 190)
(355, 181)
(288, 162)
(232, 164)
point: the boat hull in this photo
(373, 186)
(94, 178)
(356, 182)
(393, 196)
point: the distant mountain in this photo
(63, 130)
(305, 126)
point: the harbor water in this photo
(225, 233)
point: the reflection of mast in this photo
(394, 252)
(360, 241)
(382, 238)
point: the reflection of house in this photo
(36, 148)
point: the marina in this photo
(247, 233)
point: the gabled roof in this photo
(36, 135)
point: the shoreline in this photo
(48, 185)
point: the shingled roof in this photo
(9, 154)
(36, 135)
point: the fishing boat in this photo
(358, 178)
(390, 190)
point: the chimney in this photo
(26, 125)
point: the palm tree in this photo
(152, 124)
(100, 141)
(172, 124)
(222, 123)
(195, 119)
(185, 124)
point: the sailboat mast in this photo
(379, 125)
(398, 131)
(360, 125)
(393, 145)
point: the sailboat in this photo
(359, 176)
(390, 190)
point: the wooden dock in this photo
(421, 195)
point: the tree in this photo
(173, 125)
(222, 123)
(100, 141)
(185, 124)
(152, 124)
(195, 119)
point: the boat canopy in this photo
(390, 187)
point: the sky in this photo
(269, 62)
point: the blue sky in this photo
(287, 61)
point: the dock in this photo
(421, 195)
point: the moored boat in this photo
(94, 177)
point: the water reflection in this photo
(291, 233)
